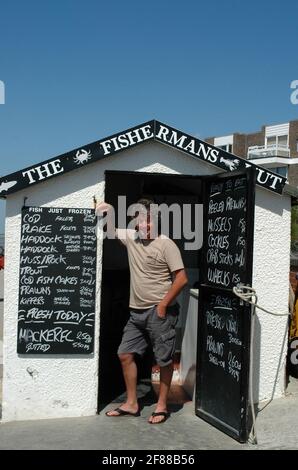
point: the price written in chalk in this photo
(226, 233)
(57, 281)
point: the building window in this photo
(277, 140)
(282, 140)
(271, 141)
(280, 170)
(226, 148)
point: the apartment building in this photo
(274, 147)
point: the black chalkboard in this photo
(224, 320)
(226, 258)
(222, 385)
(57, 281)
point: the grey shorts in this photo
(144, 326)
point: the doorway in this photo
(165, 188)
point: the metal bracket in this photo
(24, 202)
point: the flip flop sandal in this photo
(122, 413)
(165, 415)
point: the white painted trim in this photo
(269, 162)
(225, 140)
(277, 130)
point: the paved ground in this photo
(276, 429)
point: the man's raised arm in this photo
(103, 209)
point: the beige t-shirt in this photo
(151, 263)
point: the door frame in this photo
(140, 174)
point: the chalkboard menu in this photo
(57, 281)
(224, 320)
(225, 232)
(224, 353)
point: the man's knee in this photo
(126, 358)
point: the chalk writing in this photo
(226, 232)
(57, 281)
(222, 327)
(224, 320)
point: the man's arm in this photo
(180, 280)
(107, 210)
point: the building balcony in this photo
(263, 151)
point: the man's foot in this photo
(158, 417)
(124, 410)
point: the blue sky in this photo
(76, 71)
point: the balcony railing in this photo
(270, 151)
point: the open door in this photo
(224, 323)
(167, 188)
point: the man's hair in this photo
(147, 202)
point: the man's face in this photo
(145, 226)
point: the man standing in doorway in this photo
(157, 276)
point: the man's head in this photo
(147, 218)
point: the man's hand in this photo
(107, 212)
(102, 207)
(161, 310)
(180, 280)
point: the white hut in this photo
(152, 158)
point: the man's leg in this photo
(166, 374)
(129, 369)
(133, 342)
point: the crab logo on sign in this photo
(82, 156)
